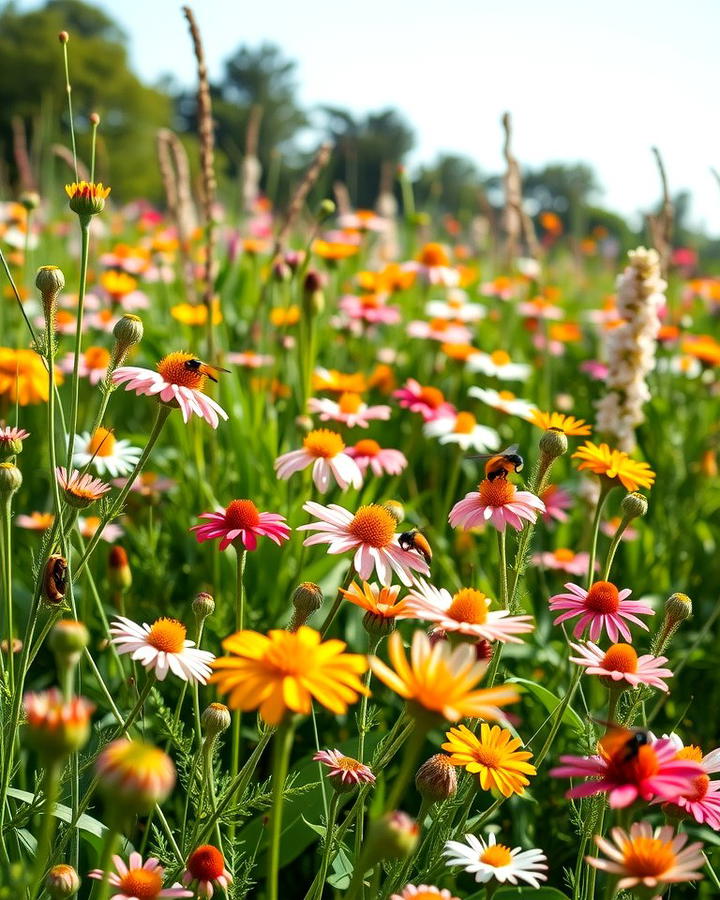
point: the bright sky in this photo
(599, 82)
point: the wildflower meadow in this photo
(350, 552)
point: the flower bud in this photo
(62, 882)
(134, 776)
(67, 640)
(11, 442)
(281, 271)
(634, 505)
(378, 626)
(313, 294)
(30, 200)
(436, 779)
(63, 37)
(94, 119)
(203, 606)
(678, 607)
(55, 727)
(396, 510)
(10, 479)
(393, 836)
(128, 332)
(553, 443)
(307, 598)
(215, 719)
(87, 199)
(325, 210)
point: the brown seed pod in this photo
(55, 580)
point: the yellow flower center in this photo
(367, 447)
(469, 605)
(690, 752)
(348, 764)
(141, 883)
(439, 324)
(349, 403)
(645, 857)
(620, 658)
(506, 395)
(497, 856)
(373, 525)
(465, 422)
(97, 357)
(497, 492)
(168, 635)
(603, 598)
(242, 514)
(174, 370)
(500, 357)
(323, 443)
(432, 397)
(434, 255)
(562, 554)
(102, 443)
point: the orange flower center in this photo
(469, 605)
(373, 525)
(620, 658)
(639, 766)
(690, 752)
(486, 756)
(497, 856)
(242, 514)
(645, 857)
(497, 492)
(603, 597)
(63, 317)
(439, 324)
(367, 447)
(97, 357)
(174, 370)
(323, 443)
(349, 403)
(700, 787)
(434, 255)
(206, 863)
(167, 635)
(102, 443)
(500, 357)
(506, 395)
(141, 883)
(465, 422)
(564, 555)
(348, 764)
(432, 397)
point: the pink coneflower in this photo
(89, 525)
(324, 450)
(9, 434)
(371, 534)
(647, 772)
(428, 401)
(92, 364)
(350, 410)
(620, 662)
(36, 521)
(367, 453)
(498, 502)
(370, 308)
(557, 500)
(241, 522)
(440, 330)
(344, 772)
(648, 859)
(610, 526)
(138, 880)
(702, 803)
(177, 382)
(423, 892)
(250, 360)
(80, 490)
(463, 429)
(205, 870)
(163, 648)
(564, 560)
(465, 612)
(601, 607)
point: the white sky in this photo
(595, 81)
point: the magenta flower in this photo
(344, 771)
(557, 501)
(368, 454)
(498, 502)
(603, 607)
(428, 401)
(241, 522)
(703, 802)
(620, 662)
(138, 876)
(370, 308)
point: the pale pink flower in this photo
(88, 527)
(565, 560)
(324, 450)
(9, 434)
(446, 276)
(428, 401)
(539, 308)
(498, 502)
(92, 364)
(82, 488)
(610, 526)
(250, 360)
(370, 308)
(163, 648)
(703, 802)
(125, 879)
(423, 892)
(241, 523)
(363, 220)
(598, 371)
(440, 330)
(602, 607)
(370, 533)
(350, 410)
(557, 500)
(620, 662)
(367, 453)
(344, 771)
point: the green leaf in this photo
(550, 702)
(523, 893)
(341, 871)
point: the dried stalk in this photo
(319, 162)
(251, 168)
(517, 224)
(21, 155)
(63, 153)
(661, 225)
(175, 173)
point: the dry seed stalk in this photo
(516, 221)
(661, 225)
(175, 173)
(319, 162)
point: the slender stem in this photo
(409, 764)
(68, 91)
(6, 556)
(502, 553)
(103, 888)
(136, 710)
(330, 618)
(557, 715)
(329, 839)
(613, 548)
(362, 728)
(84, 252)
(281, 758)
(605, 487)
(241, 558)
(47, 827)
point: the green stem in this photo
(103, 886)
(281, 758)
(330, 618)
(502, 553)
(47, 827)
(362, 728)
(84, 253)
(241, 558)
(409, 764)
(68, 91)
(6, 556)
(329, 840)
(613, 548)
(557, 716)
(605, 487)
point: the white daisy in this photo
(109, 455)
(457, 306)
(463, 429)
(505, 401)
(488, 859)
(498, 364)
(162, 647)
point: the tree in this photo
(453, 182)
(563, 188)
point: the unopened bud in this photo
(307, 598)
(128, 332)
(678, 607)
(10, 479)
(119, 572)
(203, 606)
(67, 640)
(436, 779)
(30, 200)
(326, 209)
(378, 626)
(62, 882)
(215, 719)
(393, 836)
(94, 119)
(553, 443)
(634, 505)
(63, 37)
(396, 510)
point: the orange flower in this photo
(565, 332)
(117, 284)
(569, 425)
(614, 464)
(703, 347)
(282, 318)
(23, 377)
(196, 313)
(338, 382)
(334, 250)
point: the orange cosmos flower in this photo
(334, 250)
(614, 464)
(569, 425)
(284, 671)
(23, 377)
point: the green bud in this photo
(634, 505)
(62, 882)
(10, 479)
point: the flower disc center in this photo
(469, 605)
(620, 658)
(174, 370)
(167, 635)
(323, 443)
(242, 514)
(603, 597)
(373, 525)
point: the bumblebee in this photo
(55, 579)
(414, 540)
(499, 465)
(202, 368)
(623, 744)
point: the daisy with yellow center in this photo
(138, 880)
(178, 382)
(569, 425)
(350, 409)
(107, 455)
(493, 756)
(162, 647)
(620, 663)
(80, 490)
(463, 429)
(498, 502)
(371, 534)
(647, 858)
(614, 465)
(324, 450)
(487, 861)
(284, 671)
(505, 401)
(499, 365)
(441, 680)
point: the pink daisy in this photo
(370, 308)
(565, 560)
(428, 401)
(324, 450)
(177, 382)
(620, 662)
(80, 490)
(557, 500)
(242, 522)
(344, 771)
(465, 612)
(650, 771)
(139, 880)
(250, 360)
(423, 892)
(89, 525)
(703, 801)
(163, 648)
(371, 534)
(9, 434)
(367, 453)
(498, 502)
(440, 330)
(350, 410)
(601, 607)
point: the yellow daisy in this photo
(493, 756)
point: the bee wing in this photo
(483, 456)
(513, 448)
